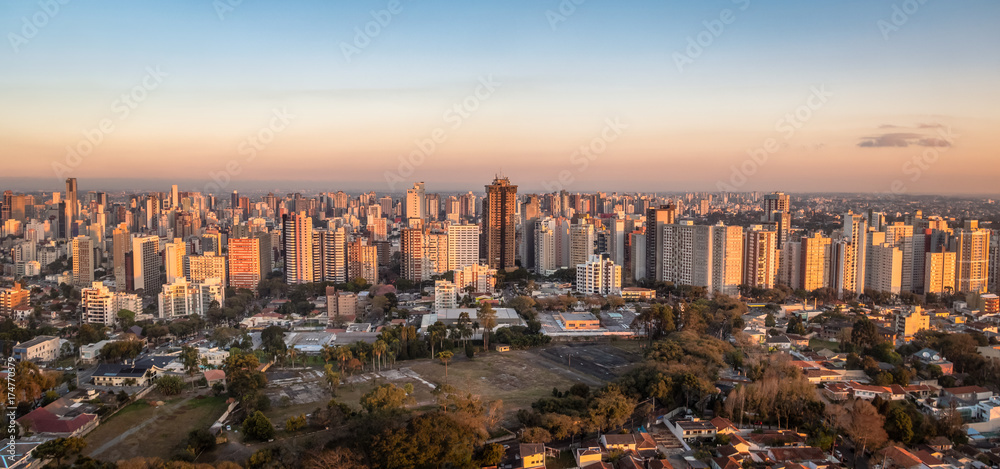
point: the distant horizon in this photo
(163, 185)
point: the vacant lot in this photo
(516, 377)
(142, 429)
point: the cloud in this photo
(932, 125)
(888, 126)
(904, 139)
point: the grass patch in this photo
(818, 344)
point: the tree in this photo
(258, 427)
(864, 334)
(385, 398)
(445, 357)
(769, 320)
(273, 339)
(535, 435)
(332, 378)
(864, 424)
(899, 426)
(610, 409)
(189, 357)
(294, 424)
(59, 448)
(242, 374)
(493, 453)
(170, 385)
(340, 458)
(487, 318)
(126, 318)
(200, 440)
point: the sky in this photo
(624, 95)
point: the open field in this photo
(818, 344)
(517, 377)
(145, 430)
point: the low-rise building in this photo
(122, 375)
(44, 348)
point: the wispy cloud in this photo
(904, 139)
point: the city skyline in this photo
(736, 95)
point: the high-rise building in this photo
(727, 259)
(599, 277)
(416, 204)
(939, 272)
(815, 262)
(760, 264)
(616, 241)
(411, 248)
(655, 219)
(581, 242)
(184, 298)
(362, 261)
(482, 278)
(994, 263)
(72, 208)
(245, 270)
(435, 253)
(330, 255)
(463, 246)
(146, 263)
(173, 259)
(687, 254)
(297, 248)
(972, 247)
(545, 247)
(198, 269)
(887, 262)
(499, 223)
(850, 258)
(445, 295)
(13, 298)
(83, 260)
(101, 306)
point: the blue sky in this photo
(355, 119)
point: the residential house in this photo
(122, 375)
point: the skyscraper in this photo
(362, 261)
(198, 269)
(411, 247)
(71, 208)
(939, 272)
(173, 259)
(655, 219)
(499, 223)
(815, 262)
(121, 245)
(581, 243)
(416, 204)
(83, 261)
(727, 259)
(244, 263)
(972, 248)
(330, 255)
(463, 246)
(760, 264)
(297, 248)
(146, 263)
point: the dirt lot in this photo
(152, 431)
(602, 361)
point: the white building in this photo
(445, 295)
(480, 277)
(545, 247)
(173, 259)
(101, 305)
(463, 246)
(599, 276)
(183, 298)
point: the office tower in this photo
(887, 265)
(5, 208)
(146, 263)
(616, 241)
(599, 276)
(297, 248)
(814, 272)
(362, 261)
(435, 253)
(760, 260)
(655, 219)
(581, 242)
(411, 248)
(198, 269)
(463, 246)
(445, 295)
(416, 205)
(330, 255)
(72, 208)
(173, 259)
(499, 223)
(481, 278)
(14, 207)
(727, 259)
(545, 247)
(83, 260)
(972, 247)
(245, 270)
(183, 298)
(939, 272)
(901, 236)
